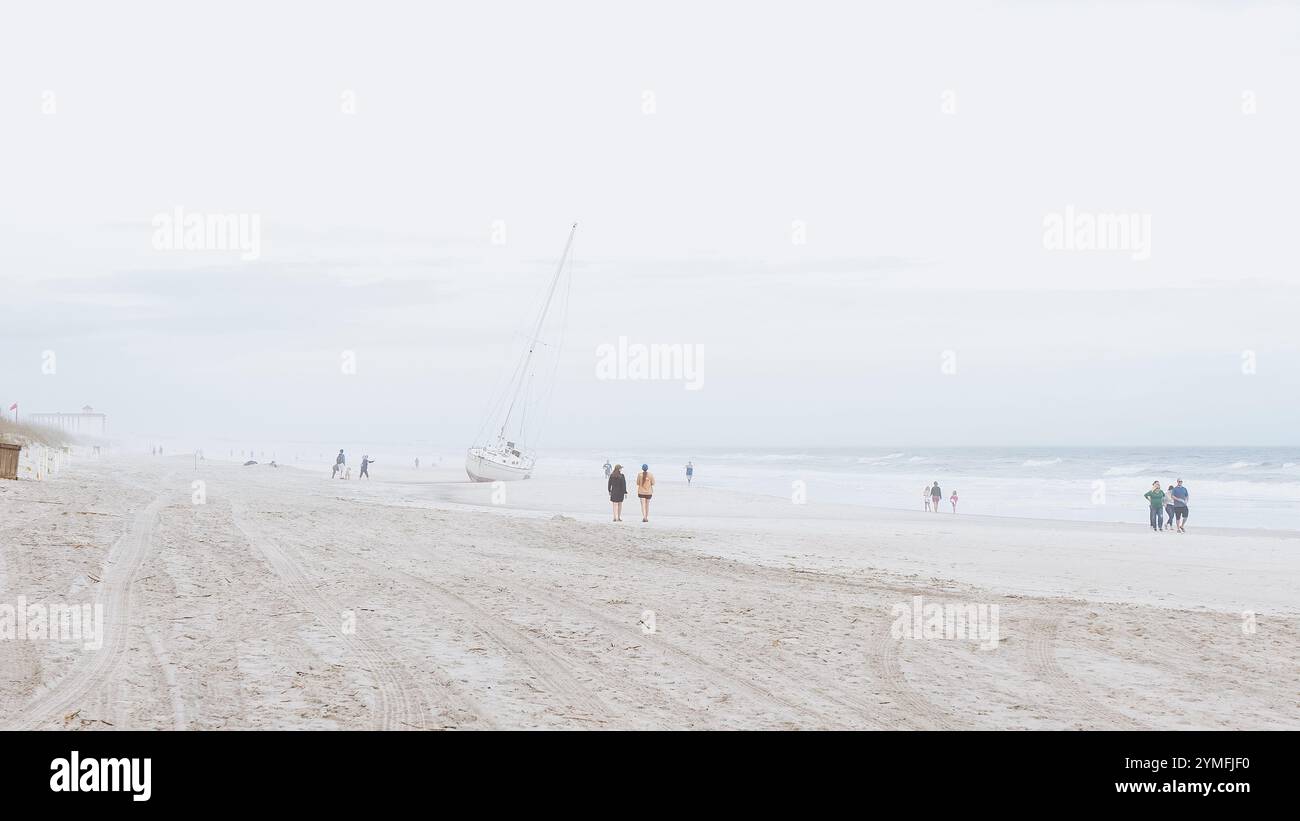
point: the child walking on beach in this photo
(953, 499)
(925, 497)
(645, 488)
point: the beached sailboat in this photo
(507, 456)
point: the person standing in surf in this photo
(1156, 497)
(617, 484)
(935, 495)
(690, 471)
(645, 488)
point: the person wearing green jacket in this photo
(1156, 497)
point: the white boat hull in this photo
(508, 459)
(482, 467)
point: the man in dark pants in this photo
(1156, 497)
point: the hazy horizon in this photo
(869, 230)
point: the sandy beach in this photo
(287, 600)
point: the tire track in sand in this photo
(724, 661)
(660, 645)
(400, 702)
(169, 676)
(120, 567)
(887, 665)
(1041, 650)
(521, 647)
(882, 661)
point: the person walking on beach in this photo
(935, 495)
(1169, 507)
(1156, 497)
(645, 488)
(607, 468)
(339, 462)
(617, 484)
(417, 463)
(366, 461)
(953, 499)
(690, 471)
(925, 497)
(1180, 505)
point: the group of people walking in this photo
(1168, 509)
(341, 471)
(616, 482)
(645, 488)
(933, 495)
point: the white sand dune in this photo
(288, 600)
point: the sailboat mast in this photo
(532, 342)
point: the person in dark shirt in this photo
(1169, 507)
(617, 491)
(1180, 505)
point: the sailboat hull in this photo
(482, 468)
(508, 459)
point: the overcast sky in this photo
(834, 202)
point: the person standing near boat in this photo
(617, 484)
(935, 496)
(1156, 497)
(645, 488)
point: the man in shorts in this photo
(1179, 494)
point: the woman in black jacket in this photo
(617, 491)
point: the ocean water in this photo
(1228, 487)
(1253, 487)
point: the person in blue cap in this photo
(645, 488)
